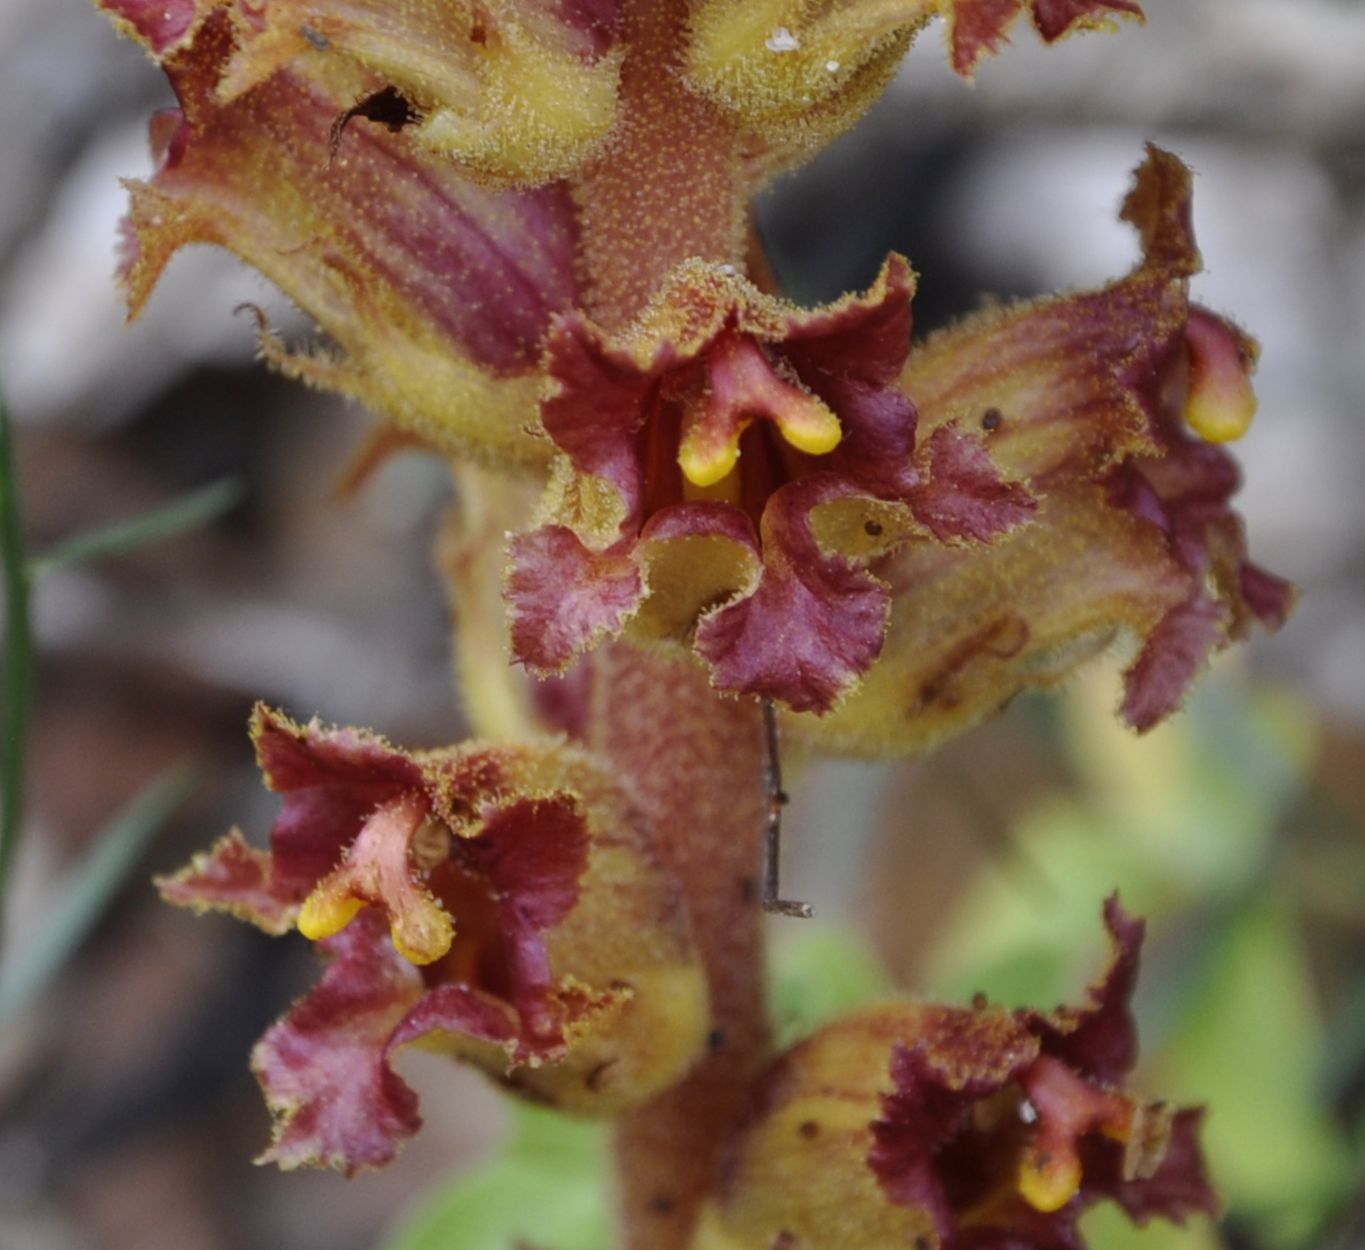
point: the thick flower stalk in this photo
(522, 228)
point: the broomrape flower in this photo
(952, 1127)
(1110, 407)
(704, 450)
(434, 289)
(498, 904)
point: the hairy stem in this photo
(695, 762)
(664, 190)
(665, 187)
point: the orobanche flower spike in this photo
(501, 904)
(523, 230)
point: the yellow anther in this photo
(323, 915)
(429, 942)
(707, 460)
(808, 425)
(1221, 402)
(1048, 1182)
(1221, 411)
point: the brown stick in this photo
(774, 800)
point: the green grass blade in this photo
(18, 658)
(89, 886)
(179, 516)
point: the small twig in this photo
(775, 799)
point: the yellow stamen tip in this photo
(705, 466)
(816, 431)
(1221, 402)
(323, 916)
(422, 934)
(432, 946)
(1221, 413)
(1049, 1185)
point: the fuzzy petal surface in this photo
(324, 1068)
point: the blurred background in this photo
(128, 1117)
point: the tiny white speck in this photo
(782, 40)
(728, 270)
(1028, 1112)
(832, 67)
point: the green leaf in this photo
(547, 1191)
(821, 972)
(1251, 1046)
(181, 515)
(1107, 1227)
(18, 662)
(88, 887)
